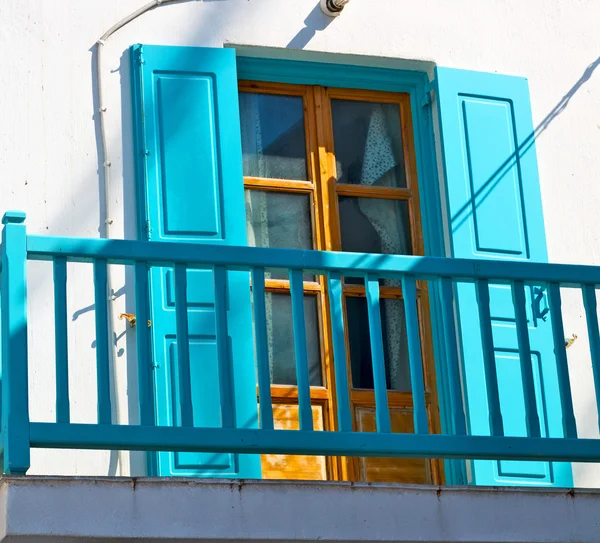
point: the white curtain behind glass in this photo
(256, 162)
(379, 161)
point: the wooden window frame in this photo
(323, 190)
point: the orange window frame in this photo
(322, 187)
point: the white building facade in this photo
(54, 168)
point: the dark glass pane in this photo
(273, 143)
(373, 225)
(395, 344)
(280, 334)
(368, 143)
(279, 220)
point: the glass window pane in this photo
(279, 220)
(273, 143)
(395, 344)
(373, 225)
(280, 337)
(367, 140)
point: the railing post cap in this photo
(13, 217)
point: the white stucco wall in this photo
(48, 146)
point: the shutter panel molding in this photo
(494, 211)
(190, 189)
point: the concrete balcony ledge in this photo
(37, 509)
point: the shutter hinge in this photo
(139, 57)
(148, 230)
(429, 87)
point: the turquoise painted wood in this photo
(382, 412)
(591, 315)
(218, 441)
(262, 348)
(562, 367)
(453, 380)
(495, 211)
(102, 341)
(532, 420)
(61, 342)
(197, 256)
(300, 351)
(373, 444)
(225, 376)
(335, 289)
(482, 292)
(15, 395)
(182, 385)
(189, 176)
(409, 293)
(142, 343)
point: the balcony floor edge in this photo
(42, 508)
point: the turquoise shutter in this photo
(191, 190)
(495, 211)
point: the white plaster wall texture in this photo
(49, 149)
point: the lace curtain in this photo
(382, 156)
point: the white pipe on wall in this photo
(107, 221)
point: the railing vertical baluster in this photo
(102, 340)
(531, 413)
(262, 349)
(382, 411)
(562, 368)
(489, 360)
(339, 352)
(591, 316)
(225, 377)
(183, 346)
(142, 339)
(415, 357)
(61, 340)
(451, 345)
(301, 355)
(15, 395)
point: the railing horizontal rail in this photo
(159, 438)
(354, 264)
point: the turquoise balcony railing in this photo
(20, 433)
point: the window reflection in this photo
(273, 143)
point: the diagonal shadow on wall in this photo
(488, 186)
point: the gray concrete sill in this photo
(37, 509)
